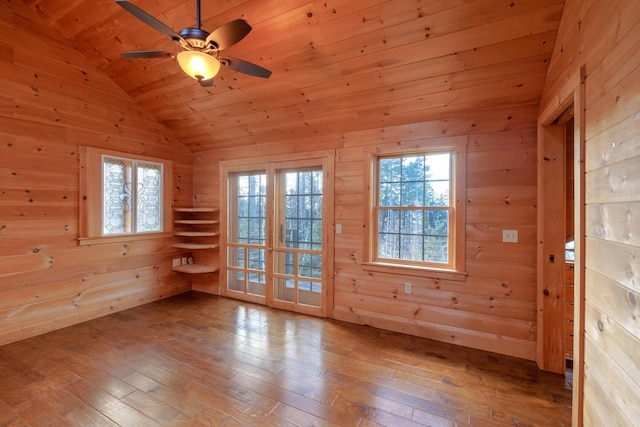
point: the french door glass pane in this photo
(310, 265)
(235, 280)
(295, 268)
(303, 210)
(251, 208)
(256, 259)
(283, 263)
(256, 284)
(246, 255)
(284, 289)
(313, 297)
(235, 257)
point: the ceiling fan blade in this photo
(246, 67)
(206, 83)
(149, 20)
(147, 54)
(228, 34)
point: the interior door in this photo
(276, 249)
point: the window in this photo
(417, 208)
(124, 195)
(570, 251)
(132, 195)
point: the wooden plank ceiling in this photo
(337, 65)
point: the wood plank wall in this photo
(604, 38)
(51, 102)
(495, 308)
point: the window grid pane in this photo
(303, 214)
(414, 207)
(149, 198)
(117, 196)
(251, 208)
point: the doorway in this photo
(277, 234)
(568, 122)
(556, 244)
(560, 124)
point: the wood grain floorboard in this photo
(200, 360)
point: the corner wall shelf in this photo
(200, 226)
(196, 233)
(192, 209)
(195, 268)
(193, 245)
(195, 221)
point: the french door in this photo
(276, 238)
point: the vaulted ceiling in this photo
(337, 65)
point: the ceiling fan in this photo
(200, 56)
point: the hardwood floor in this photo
(196, 359)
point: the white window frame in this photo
(92, 196)
(455, 268)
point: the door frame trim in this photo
(571, 92)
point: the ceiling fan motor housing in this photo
(196, 37)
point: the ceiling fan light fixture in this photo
(198, 65)
(199, 58)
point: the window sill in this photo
(409, 270)
(102, 240)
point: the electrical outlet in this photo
(510, 236)
(176, 262)
(407, 287)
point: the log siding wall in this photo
(604, 38)
(494, 309)
(52, 102)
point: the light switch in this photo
(510, 236)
